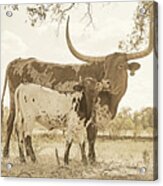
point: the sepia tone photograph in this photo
(79, 90)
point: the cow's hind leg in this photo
(9, 128)
(91, 136)
(67, 151)
(83, 153)
(29, 148)
(20, 145)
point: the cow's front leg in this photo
(67, 151)
(83, 154)
(29, 148)
(91, 136)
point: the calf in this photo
(34, 102)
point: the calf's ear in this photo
(78, 87)
(133, 67)
(89, 84)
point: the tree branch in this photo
(88, 14)
(138, 38)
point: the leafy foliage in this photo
(57, 12)
(38, 14)
(13, 7)
(137, 122)
(138, 37)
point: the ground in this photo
(115, 159)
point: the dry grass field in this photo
(116, 159)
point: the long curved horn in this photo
(148, 50)
(78, 55)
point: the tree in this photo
(38, 14)
(136, 121)
(138, 37)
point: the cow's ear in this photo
(78, 87)
(133, 67)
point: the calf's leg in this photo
(83, 154)
(91, 136)
(20, 145)
(67, 151)
(29, 148)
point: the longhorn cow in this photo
(111, 69)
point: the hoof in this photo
(84, 161)
(66, 162)
(92, 160)
(22, 160)
(6, 153)
(33, 159)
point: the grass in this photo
(116, 159)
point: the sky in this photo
(112, 23)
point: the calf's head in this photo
(90, 89)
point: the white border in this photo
(59, 182)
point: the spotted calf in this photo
(34, 102)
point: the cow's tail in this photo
(3, 95)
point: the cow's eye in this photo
(121, 66)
